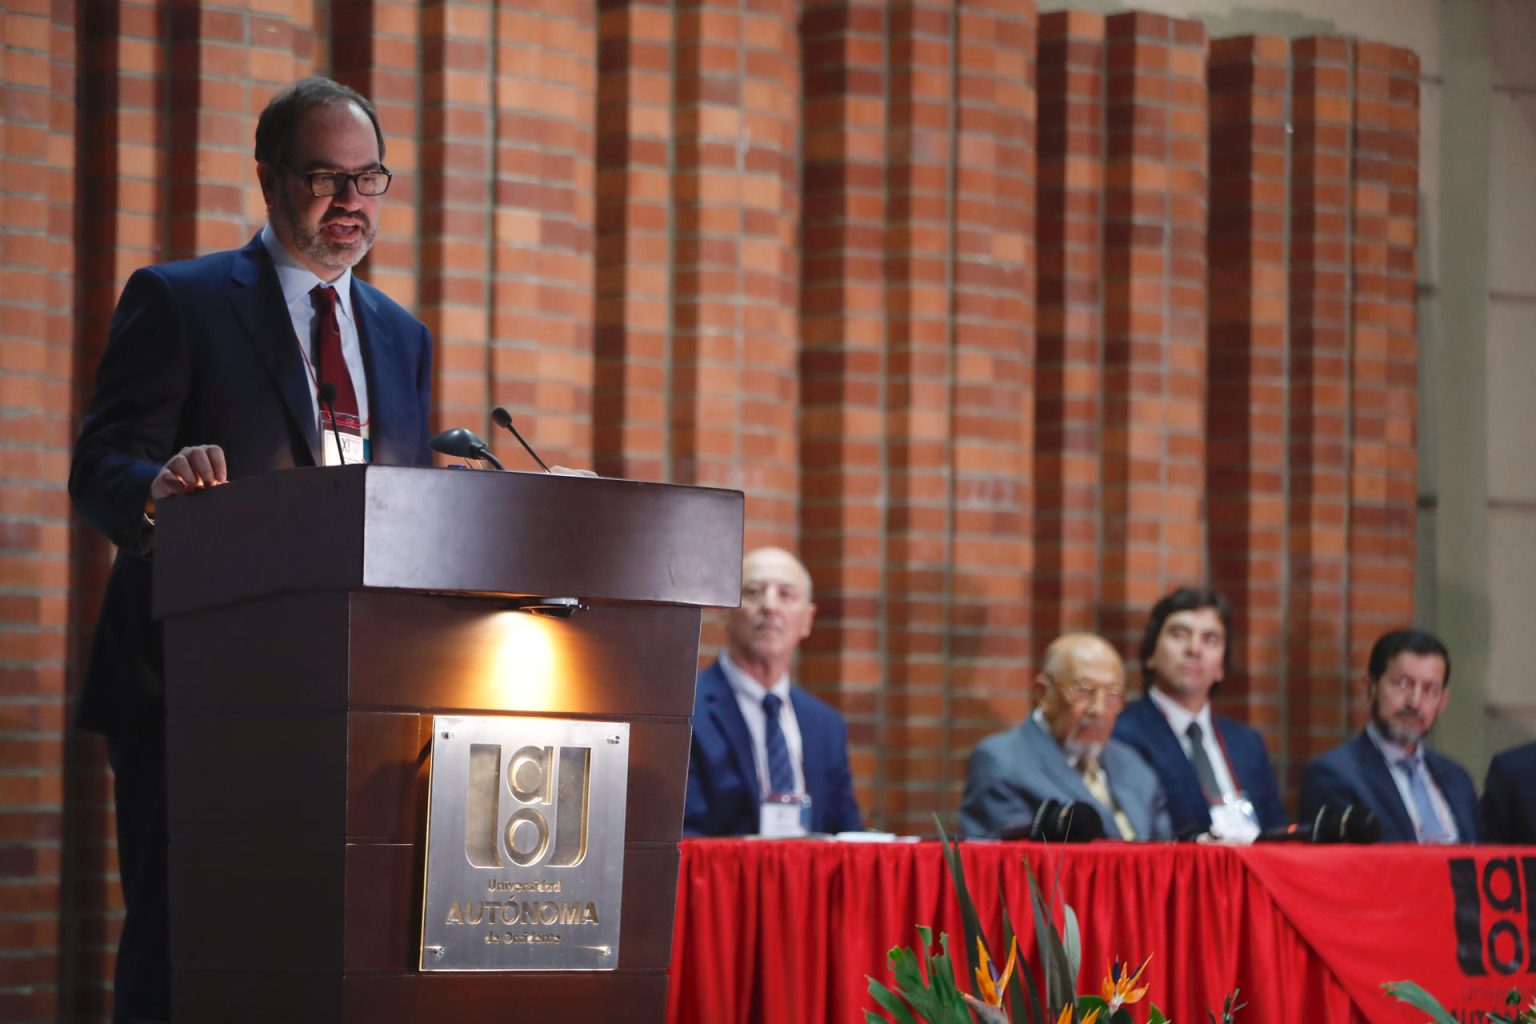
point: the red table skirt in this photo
(790, 931)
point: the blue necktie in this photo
(781, 774)
(1205, 772)
(1430, 829)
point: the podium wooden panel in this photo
(316, 620)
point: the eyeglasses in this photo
(1403, 686)
(1084, 696)
(324, 184)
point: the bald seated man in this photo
(1063, 751)
(763, 747)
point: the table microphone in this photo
(503, 419)
(463, 444)
(328, 396)
(1349, 824)
(1057, 821)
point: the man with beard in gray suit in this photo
(1063, 752)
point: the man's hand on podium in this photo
(191, 469)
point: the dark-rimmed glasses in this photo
(324, 184)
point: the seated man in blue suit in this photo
(1417, 795)
(1063, 752)
(1509, 798)
(759, 740)
(1214, 769)
(226, 366)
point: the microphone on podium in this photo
(1349, 824)
(464, 444)
(503, 419)
(1058, 821)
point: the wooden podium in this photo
(315, 621)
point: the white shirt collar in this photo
(745, 685)
(1179, 716)
(297, 280)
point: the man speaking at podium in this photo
(229, 365)
(767, 757)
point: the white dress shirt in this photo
(749, 697)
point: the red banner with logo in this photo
(789, 931)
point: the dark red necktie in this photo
(329, 363)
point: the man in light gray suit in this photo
(1063, 752)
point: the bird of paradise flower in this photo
(1010, 996)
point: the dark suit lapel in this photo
(379, 348)
(1378, 777)
(1168, 758)
(724, 713)
(258, 302)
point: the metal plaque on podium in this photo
(525, 844)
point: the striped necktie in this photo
(781, 774)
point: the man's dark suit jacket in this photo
(1509, 798)
(203, 352)
(1142, 726)
(1355, 773)
(723, 789)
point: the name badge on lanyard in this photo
(353, 446)
(784, 815)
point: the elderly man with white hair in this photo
(1063, 753)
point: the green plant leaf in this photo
(1058, 982)
(1156, 1016)
(890, 1003)
(1410, 993)
(1023, 993)
(968, 915)
(1072, 941)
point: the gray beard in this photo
(1077, 750)
(315, 248)
(1402, 735)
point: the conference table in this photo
(791, 930)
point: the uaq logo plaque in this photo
(525, 845)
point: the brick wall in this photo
(1008, 323)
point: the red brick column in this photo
(632, 341)
(911, 700)
(1383, 355)
(542, 230)
(1246, 408)
(37, 303)
(733, 375)
(1317, 665)
(1154, 317)
(992, 411)
(1070, 323)
(842, 357)
(457, 204)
